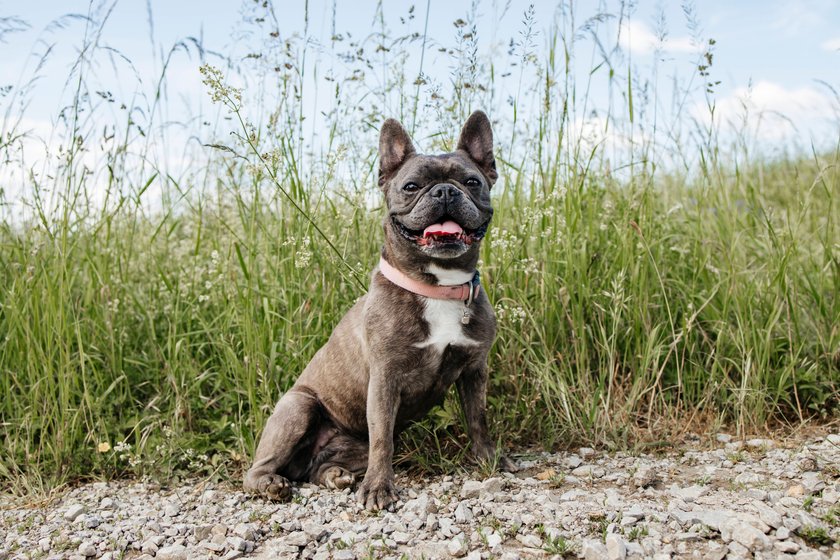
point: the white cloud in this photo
(773, 113)
(831, 44)
(802, 16)
(636, 37)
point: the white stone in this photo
(236, 543)
(457, 547)
(745, 534)
(593, 550)
(713, 519)
(491, 486)
(788, 547)
(688, 494)
(74, 511)
(531, 541)
(87, 549)
(748, 478)
(737, 551)
(768, 515)
(573, 461)
(586, 452)
(422, 505)
(494, 539)
(400, 537)
(314, 531)
(173, 552)
(589, 471)
(463, 513)
(644, 477)
(616, 548)
(810, 555)
(297, 538)
(470, 489)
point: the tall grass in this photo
(646, 283)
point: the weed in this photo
(637, 532)
(832, 516)
(736, 457)
(557, 545)
(815, 536)
(703, 480)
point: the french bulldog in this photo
(424, 325)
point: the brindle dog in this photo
(396, 352)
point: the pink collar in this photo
(466, 292)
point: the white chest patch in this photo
(445, 327)
(448, 277)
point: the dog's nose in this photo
(445, 191)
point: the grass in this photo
(815, 536)
(635, 300)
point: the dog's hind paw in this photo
(336, 478)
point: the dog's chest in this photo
(445, 326)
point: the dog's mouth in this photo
(445, 232)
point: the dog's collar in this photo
(466, 292)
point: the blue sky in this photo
(771, 53)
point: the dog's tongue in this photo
(446, 228)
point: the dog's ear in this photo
(477, 140)
(395, 148)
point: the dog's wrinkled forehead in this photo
(433, 169)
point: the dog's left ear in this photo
(395, 148)
(477, 140)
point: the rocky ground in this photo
(742, 499)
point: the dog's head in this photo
(438, 205)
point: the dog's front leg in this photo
(377, 490)
(472, 391)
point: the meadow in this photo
(663, 279)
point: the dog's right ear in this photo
(395, 148)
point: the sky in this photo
(780, 58)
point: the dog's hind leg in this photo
(284, 446)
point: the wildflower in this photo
(220, 92)
(530, 266)
(302, 258)
(104, 447)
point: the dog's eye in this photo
(410, 187)
(472, 182)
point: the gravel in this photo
(757, 498)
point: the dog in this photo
(424, 325)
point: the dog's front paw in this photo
(271, 486)
(377, 494)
